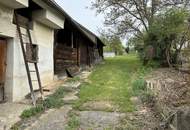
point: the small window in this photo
(32, 53)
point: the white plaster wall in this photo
(43, 36)
(16, 85)
(9, 70)
(7, 29)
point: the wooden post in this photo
(72, 40)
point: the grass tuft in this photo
(138, 86)
(73, 122)
(32, 111)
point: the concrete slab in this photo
(70, 97)
(52, 120)
(99, 120)
(9, 114)
(70, 86)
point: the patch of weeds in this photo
(59, 93)
(140, 89)
(73, 122)
(138, 86)
(32, 111)
(53, 101)
(15, 127)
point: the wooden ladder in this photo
(28, 62)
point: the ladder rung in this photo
(32, 71)
(34, 80)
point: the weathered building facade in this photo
(63, 44)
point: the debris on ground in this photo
(172, 91)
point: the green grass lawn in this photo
(113, 81)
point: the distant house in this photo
(109, 54)
(61, 42)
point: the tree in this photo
(167, 34)
(113, 44)
(133, 16)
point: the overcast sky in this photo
(78, 10)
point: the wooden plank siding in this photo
(65, 58)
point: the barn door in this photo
(3, 52)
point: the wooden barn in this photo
(75, 48)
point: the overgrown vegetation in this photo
(167, 35)
(158, 28)
(140, 89)
(113, 82)
(53, 101)
(139, 85)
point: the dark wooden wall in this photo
(65, 58)
(73, 49)
(66, 51)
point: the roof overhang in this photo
(48, 18)
(48, 15)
